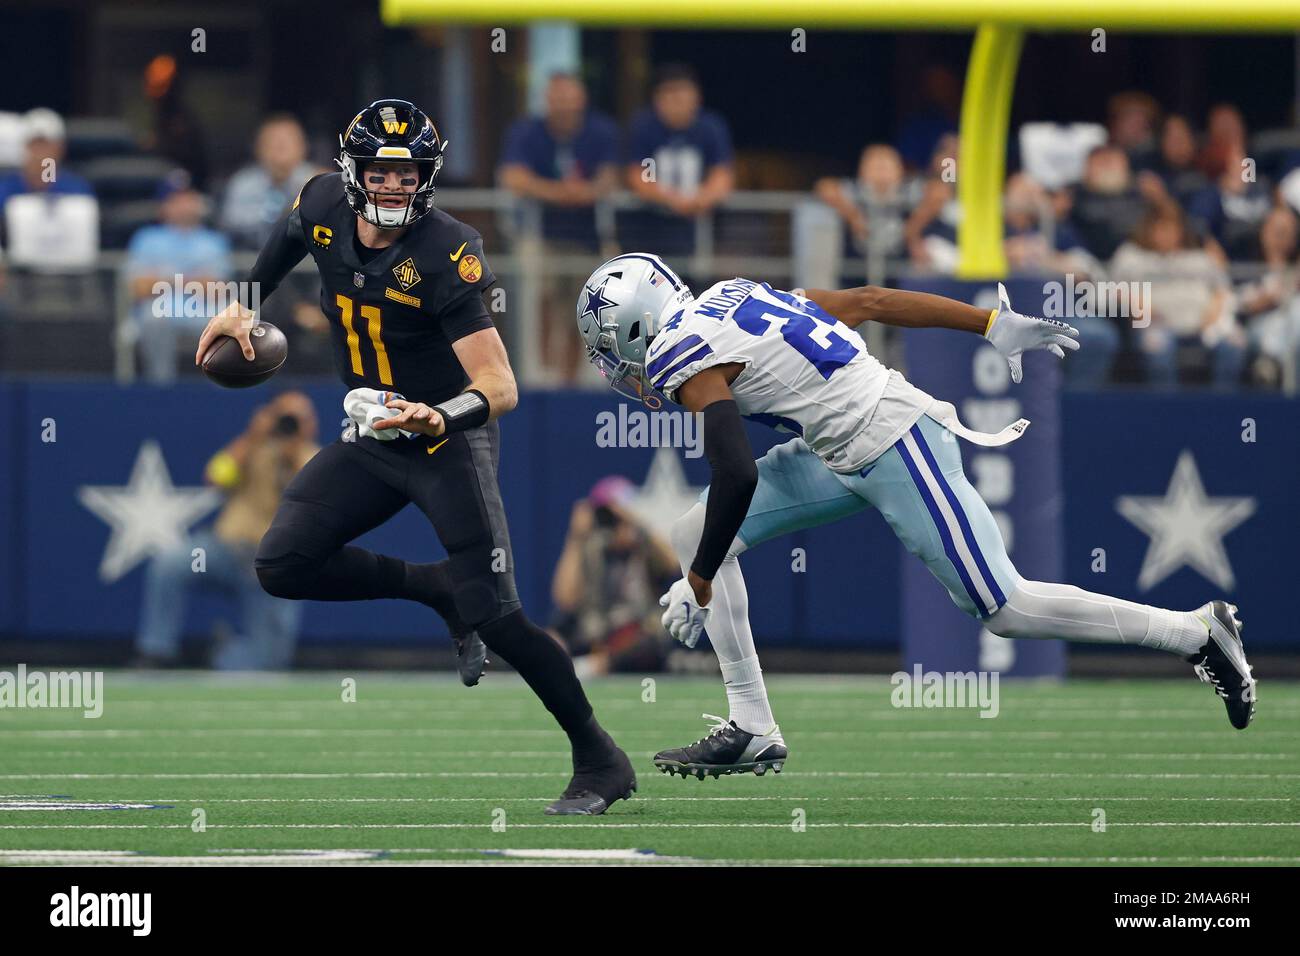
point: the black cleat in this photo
(1222, 662)
(471, 655)
(727, 749)
(592, 789)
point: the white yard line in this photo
(606, 825)
(463, 732)
(558, 754)
(458, 774)
(697, 799)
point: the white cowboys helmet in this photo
(621, 308)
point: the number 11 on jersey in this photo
(374, 326)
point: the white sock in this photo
(1037, 609)
(728, 628)
(747, 695)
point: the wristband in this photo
(467, 410)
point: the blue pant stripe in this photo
(948, 547)
(992, 582)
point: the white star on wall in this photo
(665, 495)
(148, 514)
(1186, 527)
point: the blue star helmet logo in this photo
(596, 300)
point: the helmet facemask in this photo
(364, 195)
(625, 377)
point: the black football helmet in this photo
(390, 131)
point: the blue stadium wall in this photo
(1114, 445)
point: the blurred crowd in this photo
(1197, 213)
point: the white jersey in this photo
(805, 371)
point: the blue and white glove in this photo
(1012, 334)
(684, 619)
(365, 406)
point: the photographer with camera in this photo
(607, 582)
(253, 471)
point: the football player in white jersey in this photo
(866, 438)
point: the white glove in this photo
(684, 619)
(1012, 333)
(365, 406)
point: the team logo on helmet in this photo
(595, 301)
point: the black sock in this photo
(547, 668)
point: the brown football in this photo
(225, 364)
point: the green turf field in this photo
(418, 769)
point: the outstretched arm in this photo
(916, 310)
(1007, 330)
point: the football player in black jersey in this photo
(402, 286)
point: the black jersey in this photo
(393, 317)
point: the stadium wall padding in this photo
(1114, 445)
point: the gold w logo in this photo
(395, 126)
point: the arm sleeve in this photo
(734, 478)
(466, 316)
(283, 250)
(458, 303)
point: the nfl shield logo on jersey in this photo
(358, 279)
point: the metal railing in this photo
(750, 233)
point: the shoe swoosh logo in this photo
(456, 255)
(430, 450)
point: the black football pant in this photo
(351, 487)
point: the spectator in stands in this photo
(1131, 119)
(680, 162)
(42, 157)
(163, 264)
(607, 584)
(931, 230)
(1035, 243)
(874, 207)
(1225, 132)
(564, 160)
(258, 194)
(37, 236)
(1271, 304)
(1233, 207)
(1107, 205)
(1189, 306)
(1177, 165)
(253, 471)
